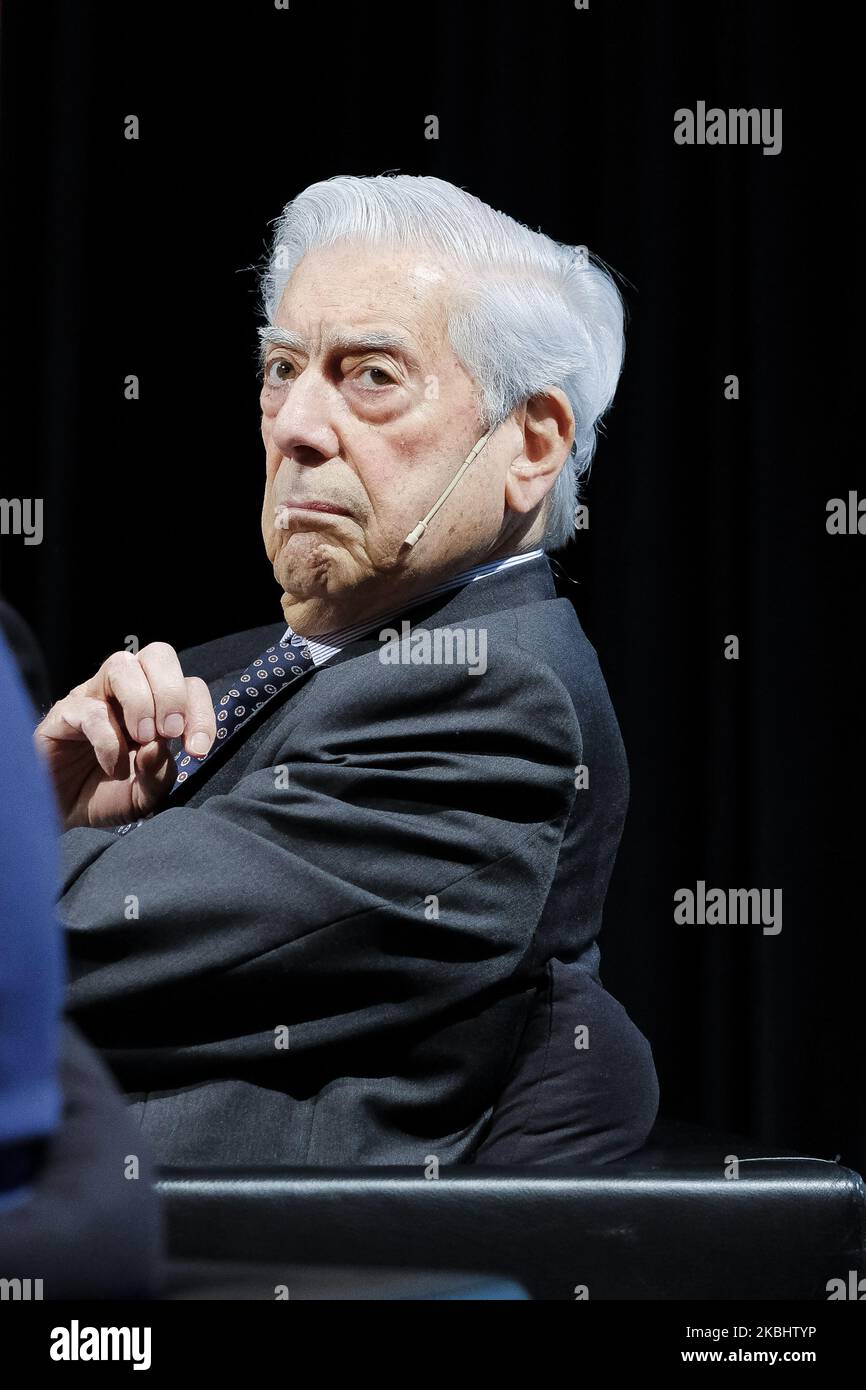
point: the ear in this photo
(547, 425)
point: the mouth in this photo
(293, 505)
(283, 511)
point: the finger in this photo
(94, 722)
(168, 685)
(124, 679)
(155, 772)
(200, 730)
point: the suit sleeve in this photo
(389, 866)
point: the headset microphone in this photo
(415, 536)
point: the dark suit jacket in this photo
(385, 905)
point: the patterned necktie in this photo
(260, 682)
(255, 687)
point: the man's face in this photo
(376, 432)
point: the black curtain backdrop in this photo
(707, 516)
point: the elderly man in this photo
(332, 894)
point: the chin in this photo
(307, 564)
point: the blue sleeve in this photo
(32, 964)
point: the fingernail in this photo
(198, 745)
(146, 731)
(173, 725)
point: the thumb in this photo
(155, 771)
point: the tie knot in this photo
(292, 639)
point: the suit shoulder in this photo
(469, 672)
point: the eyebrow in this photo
(370, 339)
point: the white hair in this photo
(533, 313)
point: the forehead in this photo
(353, 284)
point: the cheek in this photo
(401, 511)
(391, 490)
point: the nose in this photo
(303, 428)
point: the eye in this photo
(277, 371)
(389, 380)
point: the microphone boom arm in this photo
(415, 535)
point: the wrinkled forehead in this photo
(356, 283)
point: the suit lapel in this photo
(509, 588)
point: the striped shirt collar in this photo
(327, 644)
